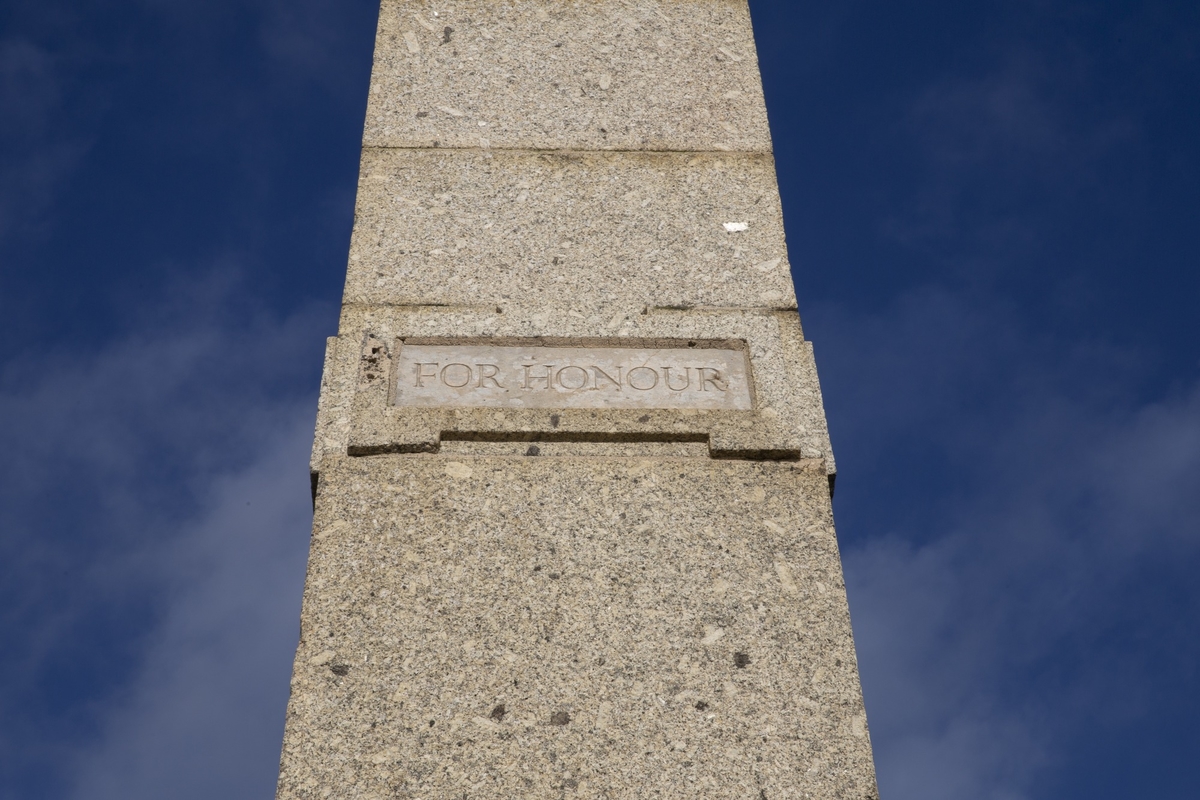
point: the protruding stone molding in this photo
(785, 421)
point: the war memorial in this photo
(572, 481)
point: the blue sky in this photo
(993, 211)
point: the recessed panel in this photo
(502, 376)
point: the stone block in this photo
(576, 232)
(574, 75)
(495, 626)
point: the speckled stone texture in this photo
(517, 627)
(550, 74)
(527, 230)
(601, 601)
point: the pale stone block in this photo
(575, 75)
(581, 627)
(574, 232)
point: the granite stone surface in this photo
(542, 626)
(560, 75)
(590, 598)
(530, 230)
(338, 379)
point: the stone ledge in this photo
(786, 421)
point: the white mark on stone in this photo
(735, 94)
(785, 576)
(736, 227)
(711, 634)
(732, 56)
(721, 585)
(322, 658)
(757, 495)
(458, 470)
(771, 296)
(858, 725)
(605, 81)
(773, 527)
(410, 39)
(543, 15)
(334, 527)
(454, 112)
(603, 714)
(767, 266)
(769, 412)
(424, 23)
(384, 756)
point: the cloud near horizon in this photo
(156, 494)
(993, 618)
(971, 614)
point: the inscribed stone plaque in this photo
(503, 376)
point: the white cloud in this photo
(155, 500)
(204, 716)
(984, 615)
(35, 156)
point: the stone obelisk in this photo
(573, 533)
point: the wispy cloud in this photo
(155, 493)
(203, 715)
(998, 153)
(37, 157)
(981, 613)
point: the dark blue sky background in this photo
(993, 211)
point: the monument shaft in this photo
(573, 533)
